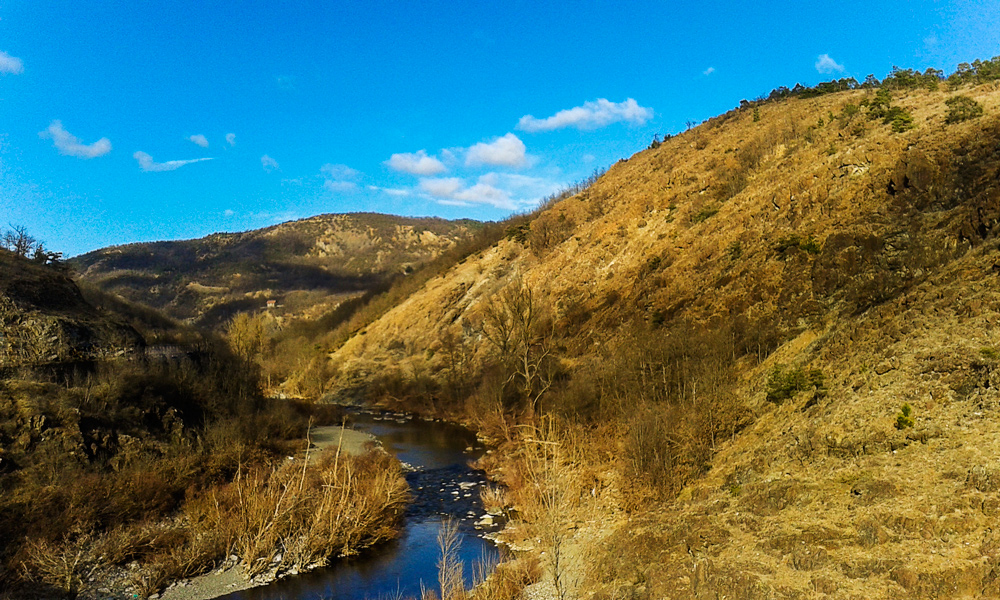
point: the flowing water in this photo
(443, 486)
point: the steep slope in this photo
(44, 319)
(807, 235)
(304, 265)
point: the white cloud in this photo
(146, 162)
(229, 212)
(444, 187)
(339, 178)
(416, 163)
(70, 145)
(268, 163)
(524, 186)
(708, 71)
(589, 116)
(200, 140)
(339, 186)
(10, 64)
(397, 192)
(492, 189)
(342, 172)
(506, 151)
(231, 139)
(825, 64)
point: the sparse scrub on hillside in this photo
(962, 108)
(704, 214)
(784, 383)
(547, 230)
(794, 241)
(671, 391)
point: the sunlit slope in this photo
(824, 240)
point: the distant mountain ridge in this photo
(304, 265)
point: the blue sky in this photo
(133, 121)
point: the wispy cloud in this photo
(70, 145)
(269, 163)
(339, 172)
(591, 115)
(708, 71)
(506, 151)
(339, 178)
(825, 64)
(416, 163)
(231, 139)
(396, 192)
(505, 191)
(10, 65)
(146, 162)
(200, 140)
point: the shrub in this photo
(899, 119)
(878, 107)
(704, 214)
(847, 113)
(904, 418)
(785, 384)
(962, 108)
(793, 241)
(810, 245)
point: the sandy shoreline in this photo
(228, 580)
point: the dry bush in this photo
(335, 506)
(494, 499)
(66, 567)
(548, 230)
(451, 578)
(496, 580)
(669, 391)
(547, 490)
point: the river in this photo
(443, 486)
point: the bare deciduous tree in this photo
(521, 335)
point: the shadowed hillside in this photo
(307, 266)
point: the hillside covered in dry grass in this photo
(765, 350)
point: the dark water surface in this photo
(442, 485)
